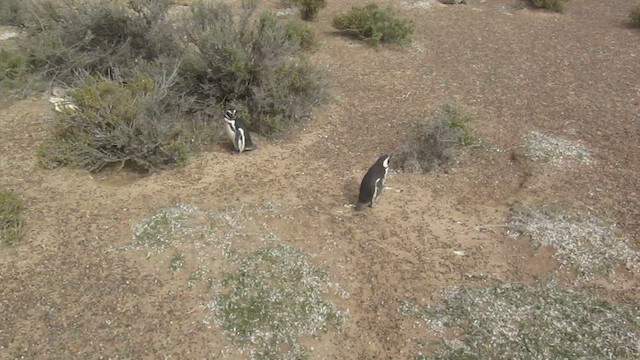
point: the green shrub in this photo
(434, 142)
(553, 5)
(309, 8)
(254, 65)
(635, 15)
(116, 123)
(12, 12)
(14, 69)
(90, 37)
(10, 218)
(302, 34)
(374, 24)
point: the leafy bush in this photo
(635, 15)
(12, 12)
(309, 8)
(554, 5)
(431, 143)
(76, 37)
(255, 66)
(374, 24)
(10, 218)
(302, 34)
(115, 123)
(14, 68)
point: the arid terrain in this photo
(69, 293)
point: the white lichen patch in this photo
(586, 244)
(556, 151)
(519, 322)
(273, 297)
(267, 295)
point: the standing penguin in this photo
(373, 183)
(237, 132)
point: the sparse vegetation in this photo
(635, 15)
(518, 322)
(433, 142)
(169, 228)
(274, 297)
(374, 24)
(10, 218)
(265, 299)
(309, 8)
(555, 150)
(553, 5)
(586, 244)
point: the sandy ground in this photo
(67, 293)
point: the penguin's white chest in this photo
(229, 131)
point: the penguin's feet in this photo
(391, 189)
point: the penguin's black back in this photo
(373, 178)
(249, 145)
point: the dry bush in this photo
(309, 8)
(250, 63)
(553, 5)
(433, 142)
(301, 33)
(374, 24)
(635, 15)
(74, 36)
(137, 124)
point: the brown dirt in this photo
(66, 293)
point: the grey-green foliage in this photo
(432, 142)
(512, 321)
(253, 65)
(374, 24)
(114, 123)
(11, 221)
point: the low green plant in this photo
(133, 123)
(301, 33)
(553, 5)
(275, 297)
(14, 70)
(374, 24)
(309, 8)
(10, 218)
(513, 321)
(430, 143)
(635, 15)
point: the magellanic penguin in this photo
(237, 132)
(373, 183)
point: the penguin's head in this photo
(384, 159)
(230, 115)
